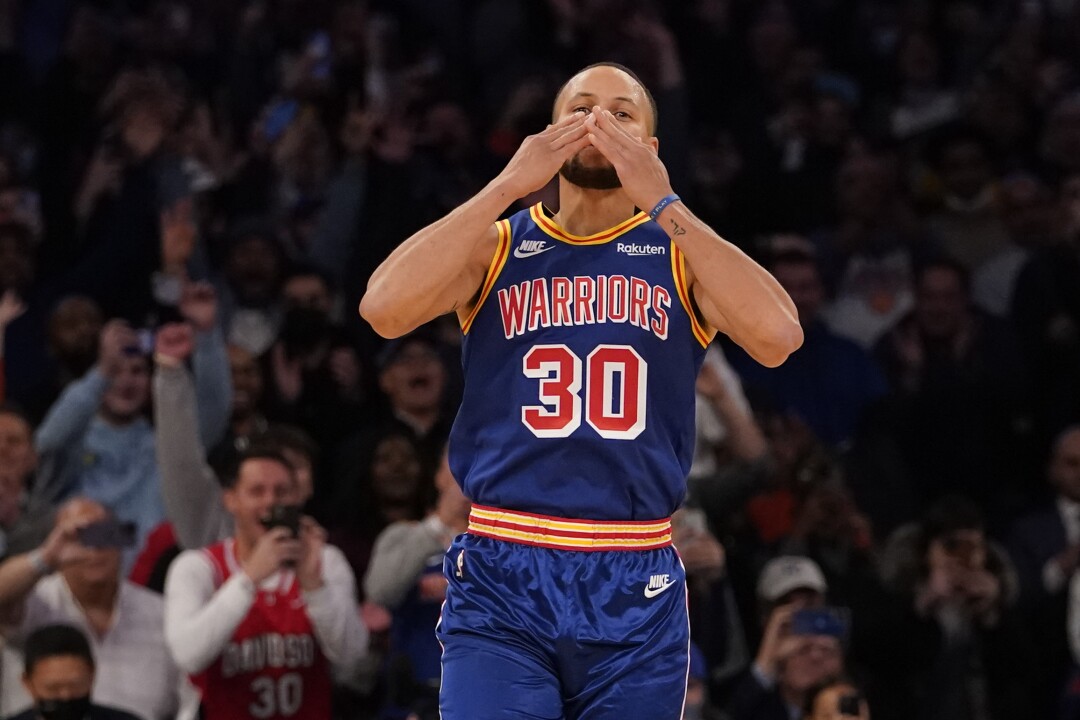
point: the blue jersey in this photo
(580, 361)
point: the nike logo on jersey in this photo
(528, 248)
(658, 584)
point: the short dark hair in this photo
(633, 76)
(943, 262)
(54, 641)
(950, 514)
(291, 437)
(260, 450)
(791, 257)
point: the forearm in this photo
(18, 576)
(199, 621)
(745, 438)
(70, 415)
(335, 614)
(397, 560)
(213, 386)
(189, 489)
(427, 275)
(736, 295)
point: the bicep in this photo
(466, 289)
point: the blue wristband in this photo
(664, 202)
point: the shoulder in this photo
(190, 565)
(335, 566)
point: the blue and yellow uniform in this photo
(574, 439)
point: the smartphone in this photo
(278, 118)
(848, 705)
(820, 621)
(107, 533)
(287, 516)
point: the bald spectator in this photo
(1045, 546)
(75, 578)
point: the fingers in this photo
(570, 135)
(569, 121)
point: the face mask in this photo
(72, 709)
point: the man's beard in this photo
(590, 178)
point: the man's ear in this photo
(654, 142)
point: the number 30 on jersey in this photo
(615, 378)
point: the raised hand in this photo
(62, 547)
(644, 178)
(11, 307)
(312, 542)
(174, 341)
(541, 155)
(178, 232)
(198, 305)
(276, 548)
(115, 340)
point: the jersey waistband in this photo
(566, 534)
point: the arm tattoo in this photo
(679, 230)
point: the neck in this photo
(586, 212)
(419, 420)
(791, 696)
(94, 596)
(116, 420)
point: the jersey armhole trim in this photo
(678, 271)
(502, 252)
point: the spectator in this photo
(1030, 219)
(405, 576)
(22, 526)
(11, 307)
(65, 580)
(831, 530)
(835, 700)
(246, 420)
(59, 676)
(870, 254)
(96, 441)
(191, 489)
(264, 587)
(960, 381)
(251, 282)
(412, 377)
(1045, 546)
(1046, 314)
(313, 375)
(74, 329)
(968, 222)
(830, 381)
(794, 657)
(714, 616)
(952, 645)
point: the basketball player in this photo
(583, 334)
(259, 619)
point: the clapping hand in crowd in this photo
(198, 305)
(116, 341)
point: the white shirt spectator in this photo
(134, 671)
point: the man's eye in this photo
(622, 115)
(581, 109)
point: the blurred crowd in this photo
(193, 195)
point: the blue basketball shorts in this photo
(547, 618)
